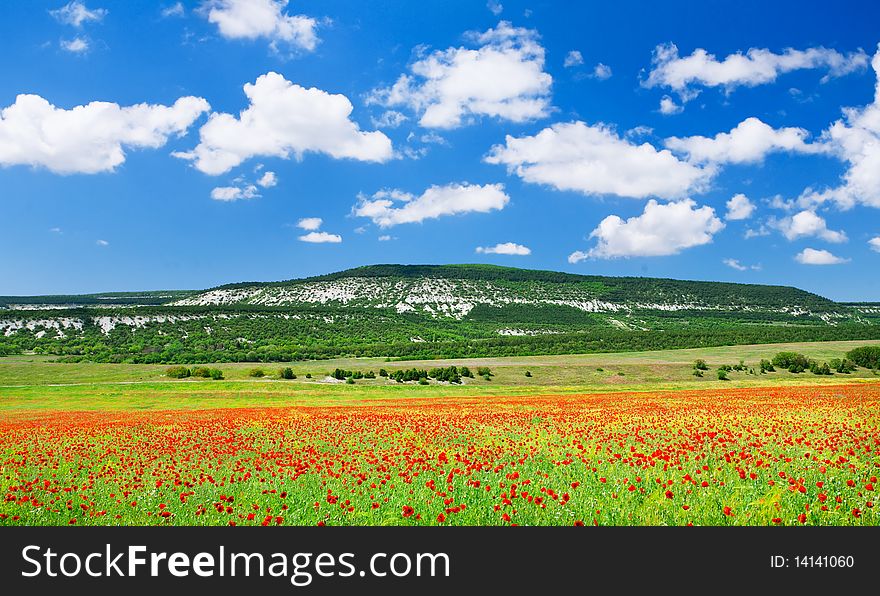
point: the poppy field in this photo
(754, 456)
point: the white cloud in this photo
(175, 10)
(389, 119)
(602, 72)
(739, 207)
(874, 243)
(638, 131)
(321, 238)
(76, 13)
(758, 232)
(235, 193)
(594, 160)
(89, 138)
(505, 248)
(495, 7)
(284, 119)
(573, 58)
(811, 256)
(253, 19)
(735, 264)
(268, 180)
(55, 230)
(310, 224)
(669, 107)
(77, 45)
(578, 256)
(807, 223)
(436, 201)
(102, 243)
(855, 139)
(385, 238)
(662, 229)
(503, 78)
(755, 67)
(749, 142)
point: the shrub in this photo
(528, 373)
(308, 375)
(216, 374)
(484, 371)
(767, 366)
(177, 372)
(448, 374)
(256, 372)
(370, 375)
(722, 374)
(866, 356)
(349, 381)
(201, 371)
(423, 381)
(697, 372)
(843, 366)
(794, 362)
(466, 372)
(819, 369)
(383, 372)
(286, 373)
(700, 364)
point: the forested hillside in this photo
(422, 312)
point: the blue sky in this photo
(565, 136)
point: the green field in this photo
(605, 439)
(34, 382)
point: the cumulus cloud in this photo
(874, 243)
(602, 72)
(504, 248)
(495, 7)
(739, 207)
(175, 10)
(594, 160)
(573, 58)
(388, 208)
(385, 238)
(76, 13)
(805, 224)
(389, 119)
(661, 230)
(102, 243)
(503, 77)
(735, 264)
(77, 45)
(310, 224)
(284, 119)
(321, 238)
(268, 180)
(235, 193)
(254, 19)
(669, 107)
(855, 139)
(749, 142)
(89, 138)
(685, 75)
(811, 256)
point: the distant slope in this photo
(424, 311)
(454, 290)
(152, 298)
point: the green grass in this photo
(32, 382)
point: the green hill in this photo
(424, 311)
